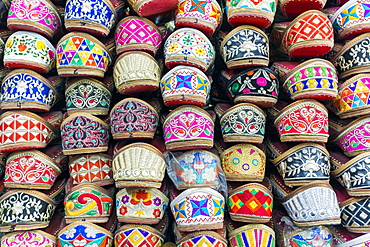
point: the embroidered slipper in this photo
(351, 19)
(308, 35)
(303, 121)
(354, 138)
(347, 61)
(352, 173)
(313, 79)
(256, 85)
(79, 16)
(300, 164)
(353, 99)
(244, 122)
(138, 165)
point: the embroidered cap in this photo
(138, 165)
(243, 162)
(188, 127)
(208, 207)
(133, 118)
(82, 15)
(235, 49)
(188, 46)
(141, 205)
(136, 72)
(88, 202)
(185, 85)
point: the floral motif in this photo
(246, 43)
(123, 210)
(147, 204)
(22, 45)
(125, 199)
(19, 207)
(191, 41)
(157, 201)
(188, 175)
(357, 175)
(157, 213)
(357, 55)
(173, 47)
(306, 162)
(141, 196)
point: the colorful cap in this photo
(40, 17)
(21, 130)
(256, 85)
(80, 54)
(204, 16)
(185, 85)
(188, 46)
(83, 233)
(188, 127)
(303, 121)
(243, 162)
(29, 50)
(87, 95)
(91, 168)
(141, 205)
(313, 79)
(133, 118)
(135, 33)
(198, 209)
(88, 202)
(30, 169)
(28, 90)
(85, 18)
(84, 133)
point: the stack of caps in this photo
(155, 122)
(33, 164)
